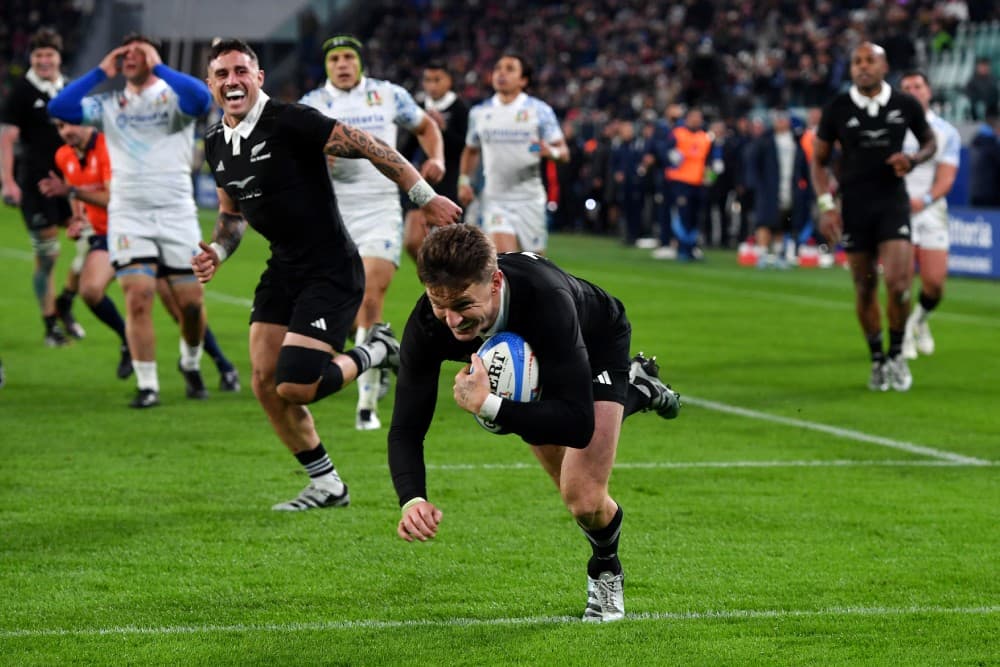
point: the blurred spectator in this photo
(688, 159)
(983, 91)
(984, 156)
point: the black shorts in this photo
(98, 242)
(40, 211)
(610, 360)
(868, 221)
(781, 225)
(320, 305)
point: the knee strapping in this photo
(300, 365)
(45, 249)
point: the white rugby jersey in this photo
(151, 145)
(949, 147)
(376, 107)
(505, 133)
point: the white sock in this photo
(145, 375)
(368, 383)
(190, 356)
(919, 313)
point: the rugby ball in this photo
(512, 369)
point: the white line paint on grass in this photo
(849, 434)
(377, 624)
(683, 465)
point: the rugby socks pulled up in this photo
(320, 469)
(604, 543)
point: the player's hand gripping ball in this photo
(512, 369)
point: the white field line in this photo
(376, 624)
(694, 465)
(850, 434)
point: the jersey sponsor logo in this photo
(319, 324)
(854, 122)
(874, 134)
(241, 184)
(602, 378)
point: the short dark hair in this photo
(456, 256)
(132, 37)
(527, 71)
(438, 65)
(222, 45)
(916, 72)
(46, 38)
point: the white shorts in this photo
(524, 218)
(169, 235)
(930, 227)
(376, 227)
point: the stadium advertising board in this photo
(973, 234)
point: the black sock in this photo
(211, 347)
(895, 343)
(316, 461)
(875, 346)
(635, 401)
(361, 358)
(50, 322)
(64, 302)
(330, 382)
(928, 303)
(604, 542)
(107, 312)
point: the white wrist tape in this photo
(220, 251)
(410, 503)
(554, 153)
(825, 203)
(463, 179)
(490, 407)
(421, 193)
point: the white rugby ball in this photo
(512, 369)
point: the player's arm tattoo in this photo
(928, 147)
(229, 230)
(350, 142)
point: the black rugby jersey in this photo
(866, 141)
(280, 182)
(27, 109)
(558, 314)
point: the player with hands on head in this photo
(269, 163)
(152, 219)
(870, 122)
(580, 336)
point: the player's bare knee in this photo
(91, 292)
(299, 394)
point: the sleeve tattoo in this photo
(229, 231)
(350, 142)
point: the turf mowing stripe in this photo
(910, 447)
(724, 614)
(683, 465)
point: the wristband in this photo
(421, 193)
(554, 153)
(928, 200)
(490, 407)
(825, 203)
(71, 193)
(463, 179)
(410, 503)
(220, 251)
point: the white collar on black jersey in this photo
(871, 104)
(245, 126)
(50, 88)
(337, 92)
(501, 322)
(440, 105)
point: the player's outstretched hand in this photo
(205, 262)
(441, 211)
(419, 522)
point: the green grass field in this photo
(788, 517)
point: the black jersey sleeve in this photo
(416, 401)
(827, 128)
(564, 415)
(918, 119)
(12, 109)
